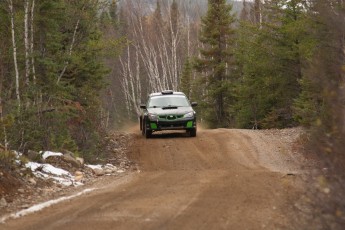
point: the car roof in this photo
(166, 93)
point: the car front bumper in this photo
(184, 124)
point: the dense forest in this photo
(71, 70)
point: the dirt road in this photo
(222, 179)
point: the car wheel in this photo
(148, 133)
(141, 123)
(192, 132)
(142, 127)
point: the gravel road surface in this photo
(222, 179)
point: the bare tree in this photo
(32, 41)
(131, 84)
(257, 12)
(14, 46)
(26, 41)
(160, 42)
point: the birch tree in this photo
(158, 41)
(174, 29)
(131, 82)
(26, 40)
(14, 47)
(32, 40)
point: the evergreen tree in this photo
(60, 100)
(309, 105)
(320, 107)
(253, 91)
(217, 37)
(271, 57)
(113, 10)
(319, 103)
(186, 79)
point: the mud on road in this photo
(222, 179)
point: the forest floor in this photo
(222, 179)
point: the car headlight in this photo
(153, 116)
(189, 115)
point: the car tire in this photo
(148, 133)
(141, 123)
(192, 132)
(142, 128)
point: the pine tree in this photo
(60, 98)
(320, 107)
(253, 92)
(271, 57)
(318, 104)
(113, 10)
(186, 79)
(217, 36)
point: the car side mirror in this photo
(194, 104)
(143, 106)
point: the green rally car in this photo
(167, 110)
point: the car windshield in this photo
(168, 101)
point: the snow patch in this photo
(17, 154)
(47, 154)
(94, 166)
(120, 171)
(41, 206)
(47, 168)
(60, 176)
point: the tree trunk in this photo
(257, 12)
(32, 41)
(26, 41)
(1, 105)
(10, 6)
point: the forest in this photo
(71, 70)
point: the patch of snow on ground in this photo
(59, 176)
(41, 206)
(47, 168)
(94, 166)
(18, 154)
(47, 154)
(63, 181)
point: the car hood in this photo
(177, 111)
